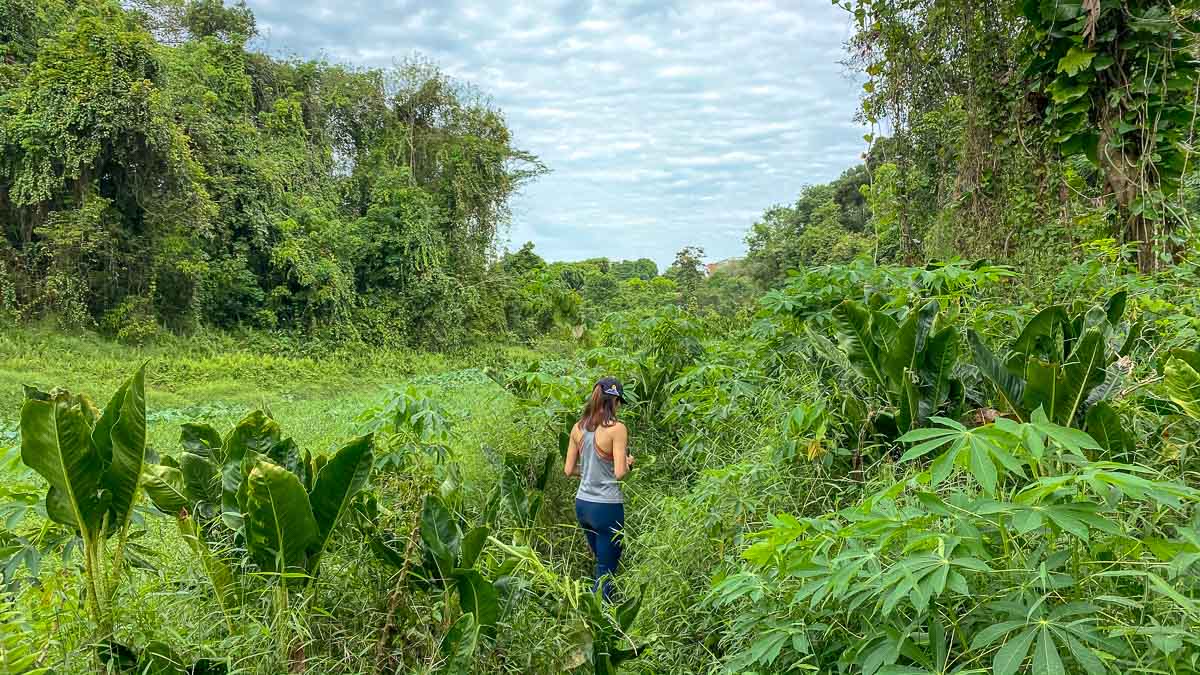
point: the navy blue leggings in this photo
(602, 523)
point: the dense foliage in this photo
(848, 461)
(189, 182)
(1016, 130)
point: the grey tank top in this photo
(598, 481)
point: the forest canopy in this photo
(153, 170)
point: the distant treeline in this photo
(155, 173)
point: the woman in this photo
(598, 454)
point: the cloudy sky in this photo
(665, 123)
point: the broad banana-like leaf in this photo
(472, 545)
(1082, 373)
(102, 431)
(1114, 309)
(202, 440)
(287, 454)
(477, 596)
(855, 338)
(1104, 425)
(257, 434)
(904, 352)
(883, 327)
(939, 357)
(1131, 339)
(56, 443)
(165, 487)
(1040, 336)
(440, 537)
(201, 477)
(564, 443)
(310, 470)
(233, 485)
(340, 480)
(128, 447)
(280, 528)
(458, 646)
(1010, 386)
(387, 553)
(1182, 382)
(1188, 356)
(1041, 388)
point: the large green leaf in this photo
(257, 434)
(628, 611)
(1082, 372)
(472, 545)
(102, 431)
(286, 453)
(1114, 309)
(478, 596)
(904, 352)
(1182, 382)
(219, 573)
(340, 480)
(280, 528)
(1041, 336)
(1010, 386)
(56, 443)
(201, 477)
(202, 440)
(233, 482)
(1104, 425)
(458, 646)
(939, 358)
(128, 438)
(1010, 655)
(853, 322)
(164, 486)
(1041, 387)
(440, 537)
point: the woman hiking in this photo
(598, 454)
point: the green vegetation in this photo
(881, 444)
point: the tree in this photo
(211, 18)
(1119, 87)
(687, 272)
(642, 268)
(522, 262)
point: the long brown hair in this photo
(600, 410)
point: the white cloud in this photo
(664, 122)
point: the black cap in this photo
(612, 387)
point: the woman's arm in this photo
(621, 459)
(569, 467)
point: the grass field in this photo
(318, 402)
